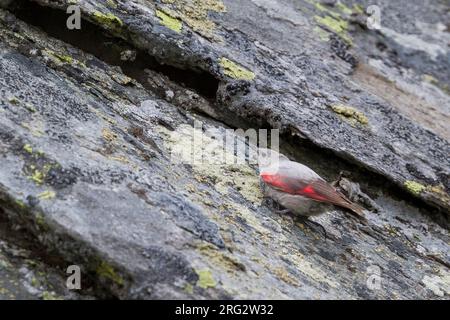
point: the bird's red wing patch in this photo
(279, 182)
(318, 190)
(310, 192)
(321, 191)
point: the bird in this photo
(298, 188)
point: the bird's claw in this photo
(313, 226)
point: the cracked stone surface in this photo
(97, 129)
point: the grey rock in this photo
(95, 169)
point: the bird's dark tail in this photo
(355, 209)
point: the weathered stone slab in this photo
(87, 168)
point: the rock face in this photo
(112, 156)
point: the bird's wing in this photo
(282, 182)
(321, 190)
(314, 188)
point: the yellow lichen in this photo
(195, 13)
(357, 8)
(189, 288)
(122, 79)
(205, 279)
(30, 107)
(36, 128)
(13, 100)
(46, 295)
(322, 8)
(111, 4)
(38, 177)
(438, 190)
(283, 275)
(108, 135)
(323, 35)
(121, 159)
(414, 187)
(221, 259)
(234, 70)
(28, 148)
(40, 221)
(20, 203)
(350, 113)
(57, 57)
(105, 270)
(336, 25)
(46, 195)
(430, 79)
(343, 8)
(108, 20)
(311, 270)
(168, 21)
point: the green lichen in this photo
(336, 25)
(38, 177)
(195, 13)
(46, 195)
(322, 8)
(439, 191)
(343, 8)
(37, 167)
(323, 35)
(122, 79)
(205, 279)
(430, 79)
(20, 204)
(30, 107)
(57, 57)
(168, 21)
(40, 221)
(223, 260)
(46, 295)
(13, 100)
(36, 128)
(358, 9)
(350, 113)
(105, 270)
(28, 148)
(64, 58)
(108, 20)
(108, 135)
(234, 70)
(435, 82)
(282, 274)
(414, 187)
(189, 288)
(111, 4)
